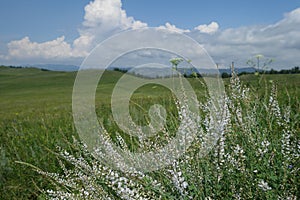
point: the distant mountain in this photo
(56, 67)
(153, 72)
(222, 70)
(239, 70)
(61, 67)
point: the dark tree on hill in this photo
(225, 75)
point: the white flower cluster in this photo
(263, 149)
(178, 179)
(274, 105)
(264, 185)
(92, 180)
(237, 159)
(238, 94)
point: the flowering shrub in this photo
(256, 157)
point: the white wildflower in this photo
(264, 185)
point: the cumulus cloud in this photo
(210, 28)
(109, 15)
(173, 28)
(102, 19)
(24, 48)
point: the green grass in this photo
(36, 117)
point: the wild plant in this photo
(255, 157)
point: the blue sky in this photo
(62, 22)
(190, 13)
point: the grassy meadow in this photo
(36, 117)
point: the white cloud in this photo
(173, 28)
(210, 28)
(109, 15)
(293, 16)
(280, 41)
(102, 19)
(24, 48)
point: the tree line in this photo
(294, 70)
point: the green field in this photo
(36, 117)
